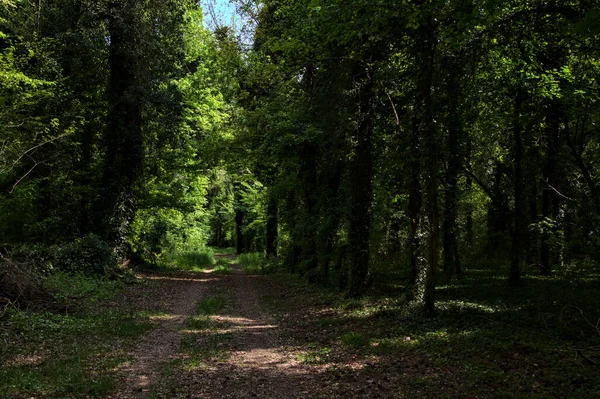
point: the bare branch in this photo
(26, 153)
(556, 191)
(394, 108)
(25, 175)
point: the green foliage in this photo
(354, 340)
(315, 355)
(191, 260)
(89, 254)
(211, 305)
(256, 262)
(68, 288)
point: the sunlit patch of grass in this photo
(198, 323)
(224, 251)
(458, 305)
(152, 314)
(256, 263)
(197, 260)
(315, 355)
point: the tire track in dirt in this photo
(258, 365)
(180, 295)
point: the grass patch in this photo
(314, 355)
(197, 260)
(69, 289)
(199, 348)
(201, 341)
(354, 340)
(223, 266)
(72, 353)
(224, 251)
(256, 263)
(211, 305)
(198, 323)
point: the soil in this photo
(271, 340)
(256, 360)
(177, 295)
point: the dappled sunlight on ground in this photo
(25, 360)
(185, 279)
(164, 317)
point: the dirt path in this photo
(239, 351)
(259, 365)
(179, 293)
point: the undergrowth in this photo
(256, 263)
(68, 347)
(486, 340)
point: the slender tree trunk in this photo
(413, 245)
(550, 203)
(532, 256)
(308, 178)
(271, 228)
(431, 147)
(455, 134)
(361, 190)
(331, 216)
(469, 211)
(239, 235)
(517, 236)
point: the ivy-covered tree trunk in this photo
(123, 137)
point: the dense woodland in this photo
(365, 146)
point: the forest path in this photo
(236, 335)
(240, 354)
(177, 295)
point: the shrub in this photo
(89, 254)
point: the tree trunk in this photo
(550, 202)
(123, 138)
(514, 278)
(271, 228)
(239, 235)
(450, 231)
(469, 211)
(361, 190)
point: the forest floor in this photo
(224, 333)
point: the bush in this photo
(89, 254)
